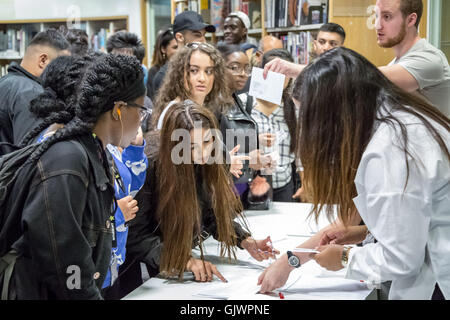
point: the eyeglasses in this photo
(202, 45)
(238, 69)
(143, 113)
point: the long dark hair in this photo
(342, 97)
(178, 207)
(163, 39)
(288, 105)
(103, 83)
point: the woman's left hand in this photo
(330, 257)
(260, 249)
(139, 140)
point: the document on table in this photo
(269, 89)
(304, 250)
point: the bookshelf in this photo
(264, 13)
(280, 18)
(16, 34)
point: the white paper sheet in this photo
(304, 250)
(269, 89)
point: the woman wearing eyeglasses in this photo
(65, 233)
(237, 119)
(130, 163)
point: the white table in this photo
(288, 226)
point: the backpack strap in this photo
(7, 264)
(249, 105)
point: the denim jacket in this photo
(65, 247)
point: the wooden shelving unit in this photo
(257, 32)
(92, 26)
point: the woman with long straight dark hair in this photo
(188, 197)
(377, 151)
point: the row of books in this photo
(279, 13)
(300, 45)
(290, 13)
(14, 42)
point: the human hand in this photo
(260, 249)
(302, 195)
(339, 234)
(267, 139)
(289, 69)
(203, 270)
(330, 257)
(275, 276)
(139, 140)
(255, 159)
(237, 162)
(129, 207)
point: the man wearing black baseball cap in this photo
(188, 27)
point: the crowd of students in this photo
(127, 167)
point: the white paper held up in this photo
(269, 89)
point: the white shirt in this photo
(429, 66)
(412, 226)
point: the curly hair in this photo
(108, 79)
(60, 81)
(173, 86)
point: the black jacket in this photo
(144, 238)
(17, 89)
(157, 81)
(151, 75)
(65, 223)
(239, 121)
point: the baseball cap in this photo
(242, 16)
(191, 20)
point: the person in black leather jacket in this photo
(184, 201)
(64, 249)
(236, 124)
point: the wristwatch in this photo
(293, 260)
(344, 259)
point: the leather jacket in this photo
(238, 123)
(65, 223)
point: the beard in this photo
(391, 42)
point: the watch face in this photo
(294, 261)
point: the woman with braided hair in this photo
(65, 248)
(56, 106)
